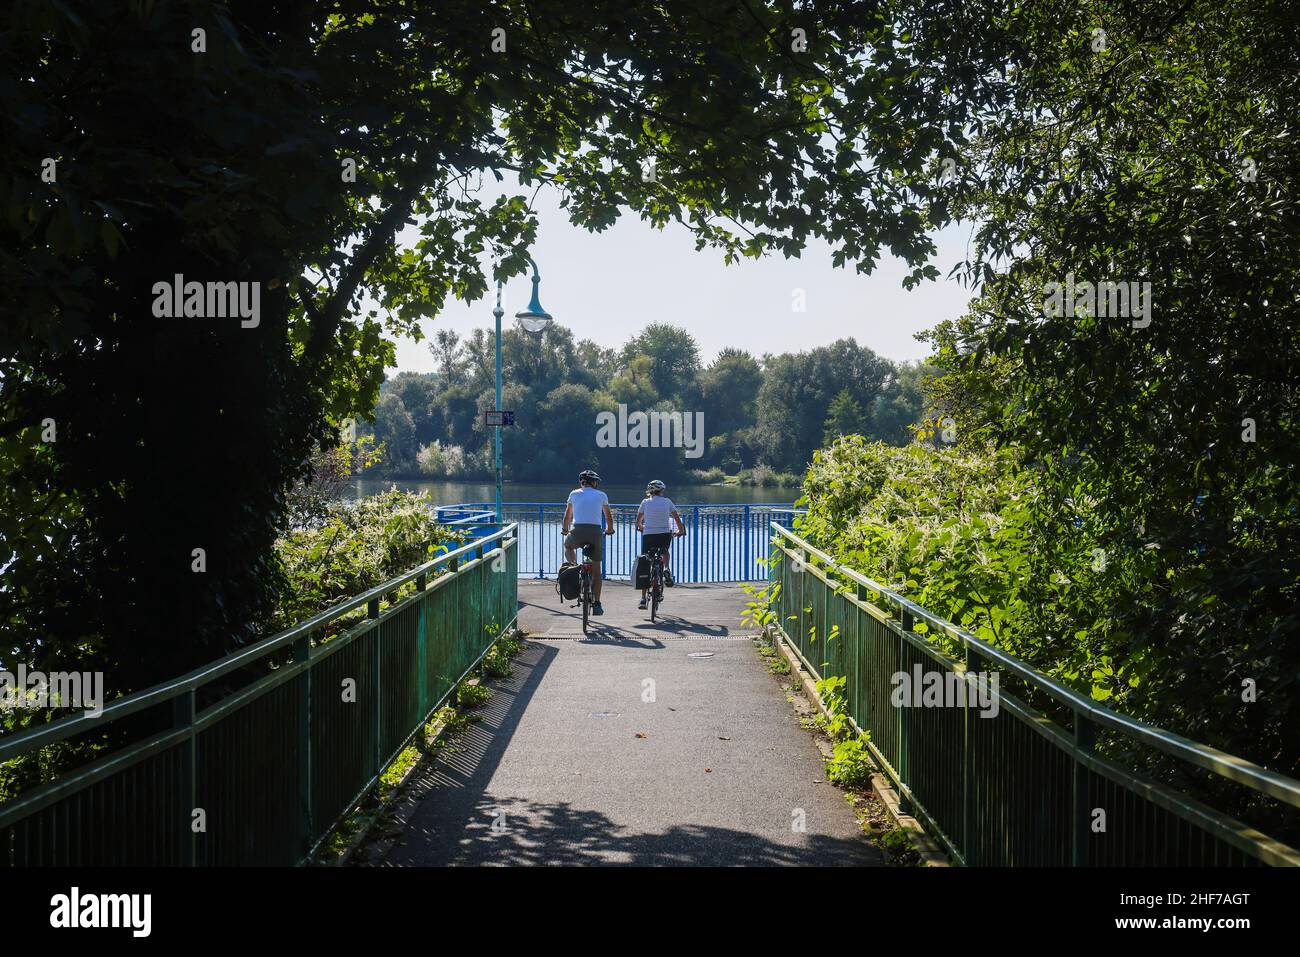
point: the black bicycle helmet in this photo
(588, 476)
(656, 486)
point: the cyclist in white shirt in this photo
(654, 521)
(586, 506)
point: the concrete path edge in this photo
(932, 854)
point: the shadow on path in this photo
(513, 832)
(449, 788)
(472, 810)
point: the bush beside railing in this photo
(1016, 787)
(215, 768)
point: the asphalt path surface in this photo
(642, 743)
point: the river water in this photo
(447, 492)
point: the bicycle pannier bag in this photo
(568, 581)
(642, 577)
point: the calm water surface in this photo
(445, 492)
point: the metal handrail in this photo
(1220, 762)
(481, 517)
(33, 738)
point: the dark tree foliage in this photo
(230, 163)
(798, 390)
(727, 390)
(1166, 151)
(674, 356)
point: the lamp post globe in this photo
(534, 318)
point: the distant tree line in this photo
(764, 412)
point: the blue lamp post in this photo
(532, 319)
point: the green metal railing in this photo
(259, 774)
(1012, 787)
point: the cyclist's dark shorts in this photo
(659, 540)
(592, 535)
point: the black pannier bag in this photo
(568, 581)
(642, 577)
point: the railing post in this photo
(302, 655)
(904, 721)
(801, 571)
(541, 536)
(728, 552)
(480, 597)
(969, 844)
(744, 575)
(1085, 738)
(372, 612)
(867, 705)
(695, 548)
(183, 717)
(421, 585)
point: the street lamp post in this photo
(532, 319)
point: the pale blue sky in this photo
(607, 286)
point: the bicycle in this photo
(585, 571)
(656, 580)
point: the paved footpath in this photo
(644, 744)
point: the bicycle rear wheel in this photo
(586, 601)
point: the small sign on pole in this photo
(500, 417)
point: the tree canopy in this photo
(288, 144)
(558, 388)
(1160, 153)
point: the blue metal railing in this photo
(473, 523)
(723, 543)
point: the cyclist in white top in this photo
(586, 506)
(654, 521)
